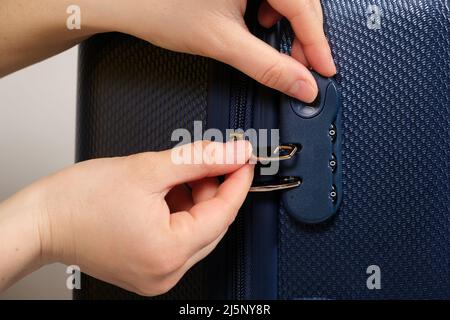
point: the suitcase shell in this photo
(394, 215)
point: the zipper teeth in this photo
(240, 105)
(241, 258)
(241, 102)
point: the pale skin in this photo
(132, 221)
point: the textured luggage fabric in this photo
(131, 97)
(395, 211)
(394, 83)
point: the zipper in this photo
(240, 119)
(240, 260)
(239, 92)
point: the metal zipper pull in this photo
(280, 153)
(280, 184)
(283, 152)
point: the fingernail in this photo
(303, 91)
(333, 64)
(244, 146)
(242, 151)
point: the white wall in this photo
(37, 137)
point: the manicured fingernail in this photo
(303, 91)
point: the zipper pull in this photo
(280, 153)
(279, 184)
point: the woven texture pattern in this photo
(132, 95)
(395, 211)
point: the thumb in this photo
(266, 65)
(206, 221)
(199, 160)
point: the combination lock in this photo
(317, 128)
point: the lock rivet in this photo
(332, 132)
(333, 163)
(333, 194)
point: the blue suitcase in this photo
(370, 217)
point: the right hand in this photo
(132, 221)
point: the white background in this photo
(37, 137)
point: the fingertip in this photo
(312, 95)
(304, 90)
(240, 151)
(331, 63)
(248, 172)
(248, 149)
(328, 69)
(333, 66)
(321, 60)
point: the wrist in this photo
(93, 17)
(52, 220)
(20, 241)
(98, 16)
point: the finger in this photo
(307, 23)
(208, 219)
(268, 66)
(204, 189)
(198, 160)
(298, 54)
(318, 9)
(179, 199)
(267, 16)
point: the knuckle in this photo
(271, 76)
(166, 264)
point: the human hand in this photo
(130, 220)
(212, 28)
(217, 29)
